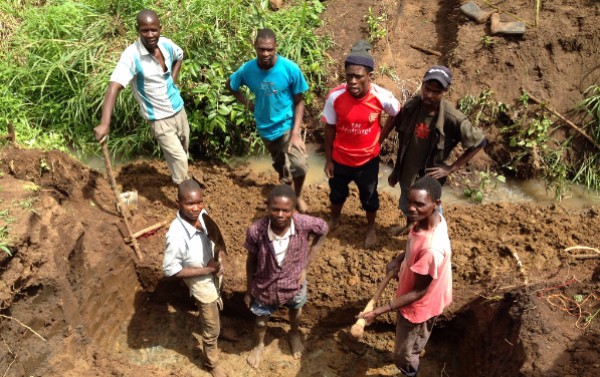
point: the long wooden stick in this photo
(426, 50)
(561, 117)
(149, 229)
(120, 206)
(357, 330)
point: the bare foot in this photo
(219, 371)
(255, 356)
(296, 344)
(301, 205)
(371, 239)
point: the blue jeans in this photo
(260, 309)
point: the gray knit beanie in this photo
(359, 55)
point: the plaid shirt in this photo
(274, 284)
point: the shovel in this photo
(120, 207)
(215, 235)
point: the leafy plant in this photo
(487, 182)
(376, 26)
(4, 240)
(482, 109)
(532, 151)
(487, 42)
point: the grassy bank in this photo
(59, 57)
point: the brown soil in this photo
(74, 282)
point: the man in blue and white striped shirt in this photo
(151, 65)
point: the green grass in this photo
(59, 56)
(6, 218)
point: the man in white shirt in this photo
(151, 65)
(189, 255)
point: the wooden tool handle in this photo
(377, 295)
(122, 210)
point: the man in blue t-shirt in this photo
(278, 86)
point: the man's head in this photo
(148, 27)
(436, 81)
(265, 46)
(190, 200)
(280, 206)
(424, 199)
(358, 65)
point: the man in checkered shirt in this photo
(151, 65)
(279, 254)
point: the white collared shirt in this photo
(280, 243)
(188, 247)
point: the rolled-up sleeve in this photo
(173, 259)
(470, 136)
(319, 226)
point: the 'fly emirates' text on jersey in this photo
(357, 122)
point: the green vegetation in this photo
(487, 42)
(487, 182)
(376, 26)
(588, 172)
(59, 56)
(6, 218)
(534, 147)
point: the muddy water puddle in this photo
(511, 191)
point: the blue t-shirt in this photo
(274, 90)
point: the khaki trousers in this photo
(173, 136)
(211, 326)
(288, 164)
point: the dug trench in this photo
(75, 283)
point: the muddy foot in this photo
(301, 205)
(296, 344)
(255, 356)
(219, 371)
(371, 239)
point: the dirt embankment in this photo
(74, 282)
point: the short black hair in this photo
(144, 14)
(430, 185)
(186, 186)
(285, 191)
(265, 34)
